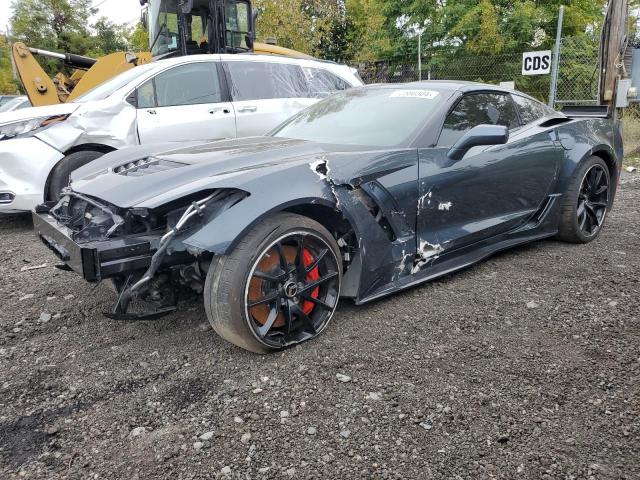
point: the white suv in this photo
(194, 98)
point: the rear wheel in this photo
(61, 173)
(586, 202)
(279, 287)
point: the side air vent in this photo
(146, 166)
(552, 122)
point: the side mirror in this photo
(477, 136)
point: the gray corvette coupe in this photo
(366, 193)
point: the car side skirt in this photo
(474, 255)
(542, 225)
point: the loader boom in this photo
(176, 27)
(90, 73)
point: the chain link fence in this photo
(474, 68)
(577, 83)
(578, 71)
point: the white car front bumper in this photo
(25, 164)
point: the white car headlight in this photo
(25, 128)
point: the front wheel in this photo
(586, 202)
(279, 287)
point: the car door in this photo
(265, 94)
(184, 103)
(491, 190)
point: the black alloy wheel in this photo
(279, 286)
(586, 201)
(593, 200)
(292, 289)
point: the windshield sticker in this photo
(426, 94)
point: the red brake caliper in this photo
(307, 257)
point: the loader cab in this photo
(189, 27)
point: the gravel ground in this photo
(524, 366)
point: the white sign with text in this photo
(536, 63)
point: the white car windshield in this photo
(106, 89)
(376, 117)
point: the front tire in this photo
(586, 202)
(61, 173)
(279, 286)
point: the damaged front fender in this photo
(222, 234)
(385, 245)
(111, 123)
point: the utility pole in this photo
(420, 55)
(612, 47)
(553, 89)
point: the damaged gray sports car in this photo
(366, 193)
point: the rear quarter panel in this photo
(584, 138)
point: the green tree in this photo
(109, 37)
(485, 26)
(367, 37)
(310, 26)
(287, 22)
(59, 25)
(7, 83)
(138, 38)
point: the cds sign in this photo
(536, 63)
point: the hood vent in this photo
(146, 166)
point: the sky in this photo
(118, 11)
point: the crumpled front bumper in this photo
(25, 164)
(98, 260)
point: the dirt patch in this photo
(524, 366)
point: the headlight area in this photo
(140, 250)
(26, 128)
(93, 220)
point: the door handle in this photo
(218, 109)
(248, 108)
(152, 112)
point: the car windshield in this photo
(376, 117)
(106, 89)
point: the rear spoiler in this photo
(586, 111)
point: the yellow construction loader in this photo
(176, 27)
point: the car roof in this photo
(239, 56)
(450, 86)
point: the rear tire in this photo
(61, 173)
(289, 258)
(586, 202)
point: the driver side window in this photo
(478, 109)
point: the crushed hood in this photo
(38, 112)
(152, 176)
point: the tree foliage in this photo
(7, 83)
(65, 26)
(60, 25)
(138, 38)
(109, 37)
(486, 26)
(452, 31)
